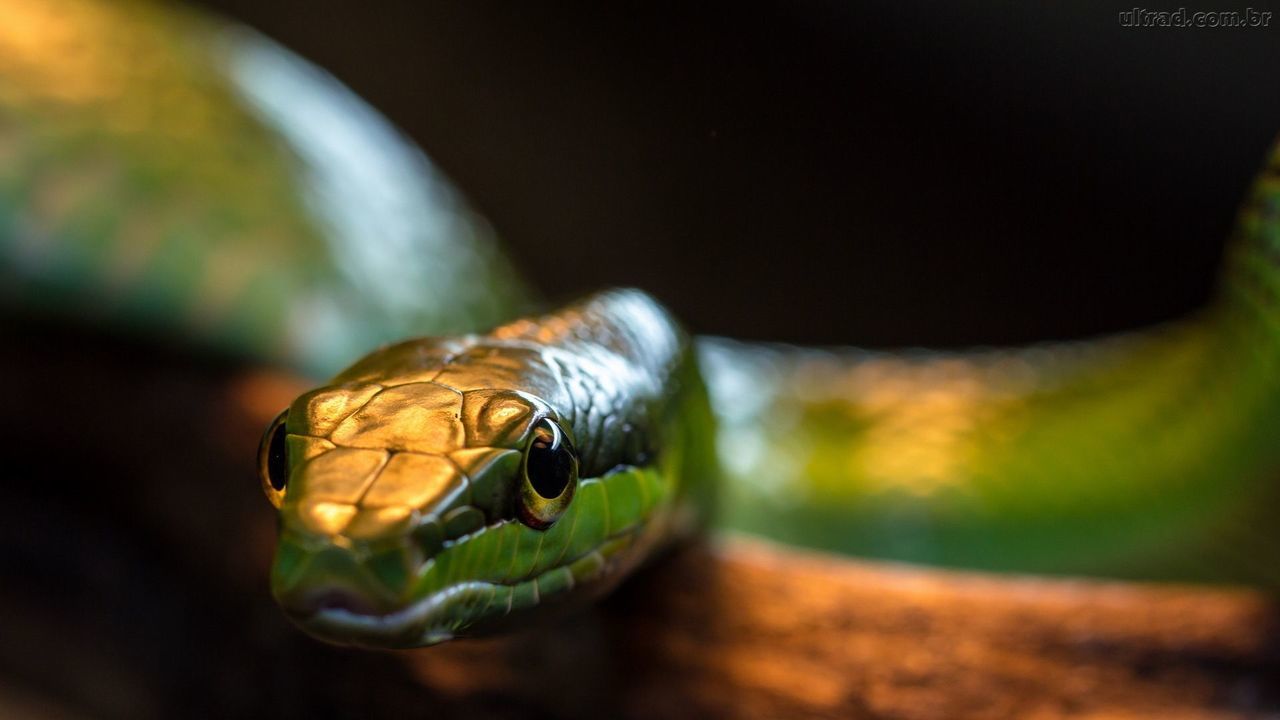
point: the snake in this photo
(472, 459)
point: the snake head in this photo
(417, 505)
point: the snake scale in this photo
(172, 175)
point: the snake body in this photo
(177, 176)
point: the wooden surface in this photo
(133, 585)
(750, 630)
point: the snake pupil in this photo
(550, 463)
(277, 459)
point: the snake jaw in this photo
(468, 607)
(356, 594)
(390, 593)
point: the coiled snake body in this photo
(170, 173)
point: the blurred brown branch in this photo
(747, 629)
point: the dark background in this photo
(878, 173)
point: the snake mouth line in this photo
(401, 625)
(436, 617)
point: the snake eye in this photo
(550, 476)
(273, 461)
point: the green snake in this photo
(172, 175)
